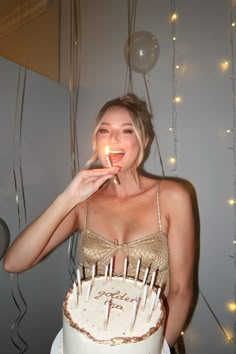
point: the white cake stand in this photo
(57, 345)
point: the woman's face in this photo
(116, 131)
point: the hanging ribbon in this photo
(16, 292)
(74, 94)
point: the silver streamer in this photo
(17, 295)
(74, 94)
(132, 9)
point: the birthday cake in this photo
(112, 315)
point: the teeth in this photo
(116, 152)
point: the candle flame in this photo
(107, 150)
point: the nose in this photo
(115, 137)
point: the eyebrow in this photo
(124, 124)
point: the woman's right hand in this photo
(86, 183)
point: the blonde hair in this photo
(141, 118)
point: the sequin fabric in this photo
(152, 250)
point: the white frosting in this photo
(83, 325)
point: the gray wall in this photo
(203, 155)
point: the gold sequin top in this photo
(151, 249)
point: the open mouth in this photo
(115, 156)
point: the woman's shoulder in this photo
(174, 191)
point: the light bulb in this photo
(172, 160)
(231, 201)
(177, 99)
(174, 17)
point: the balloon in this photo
(142, 51)
(4, 238)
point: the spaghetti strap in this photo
(158, 208)
(85, 216)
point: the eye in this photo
(103, 131)
(128, 131)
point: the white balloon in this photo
(142, 51)
(4, 238)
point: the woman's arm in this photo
(55, 224)
(181, 260)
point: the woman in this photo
(121, 212)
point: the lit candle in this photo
(111, 267)
(137, 270)
(134, 314)
(144, 296)
(75, 294)
(125, 267)
(145, 276)
(79, 281)
(115, 178)
(89, 291)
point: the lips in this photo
(116, 156)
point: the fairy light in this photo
(175, 98)
(172, 160)
(174, 17)
(231, 306)
(225, 65)
(232, 201)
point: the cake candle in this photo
(152, 282)
(152, 304)
(125, 267)
(114, 178)
(106, 272)
(111, 268)
(75, 295)
(79, 282)
(145, 276)
(107, 312)
(89, 290)
(158, 295)
(134, 314)
(93, 272)
(144, 297)
(137, 270)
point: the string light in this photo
(231, 201)
(175, 99)
(231, 306)
(172, 160)
(233, 149)
(224, 65)
(174, 17)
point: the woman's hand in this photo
(87, 182)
